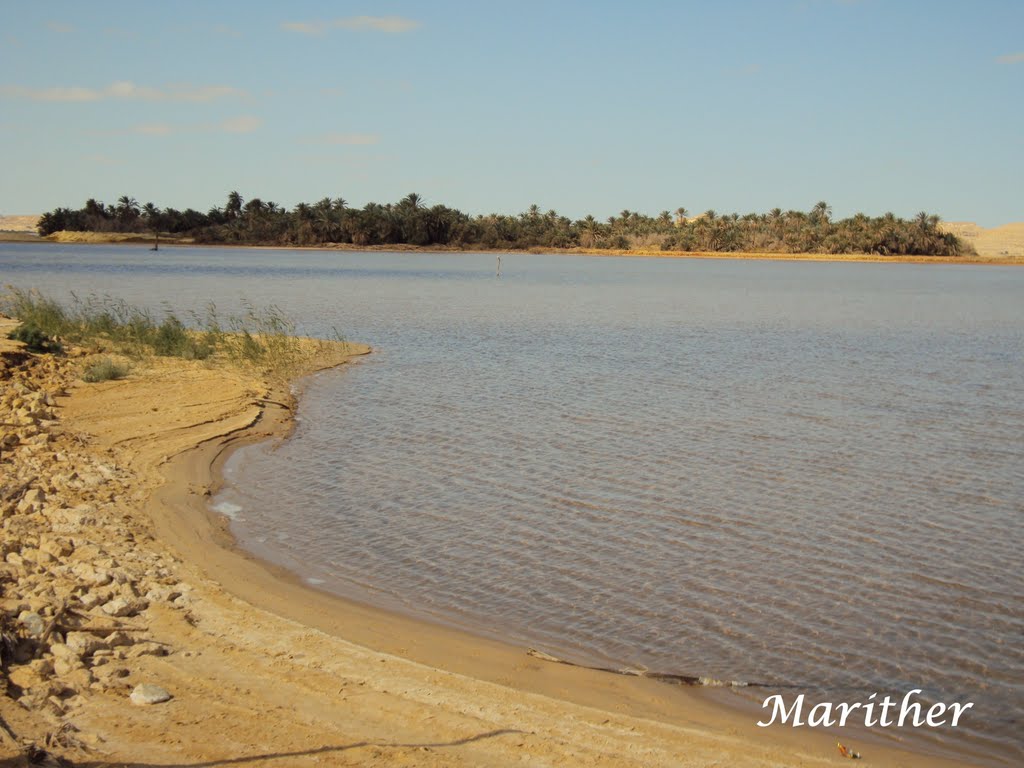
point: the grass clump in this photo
(105, 369)
(172, 339)
(35, 339)
(264, 339)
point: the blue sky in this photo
(584, 107)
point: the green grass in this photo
(260, 338)
(35, 339)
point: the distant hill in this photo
(1003, 242)
(18, 223)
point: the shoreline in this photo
(259, 643)
(267, 586)
(126, 240)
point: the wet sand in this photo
(267, 670)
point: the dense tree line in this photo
(411, 222)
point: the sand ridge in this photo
(18, 223)
(998, 243)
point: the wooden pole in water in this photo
(499, 266)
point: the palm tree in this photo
(152, 215)
(589, 230)
(234, 205)
(926, 222)
(92, 208)
(681, 214)
(822, 212)
(412, 200)
(127, 207)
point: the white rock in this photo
(147, 693)
(122, 607)
(32, 622)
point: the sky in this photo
(581, 107)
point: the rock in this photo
(110, 672)
(94, 577)
(61, 651)
(147, 693)
(26, 678)
(163, 594)
(65, 665)
(145, 649)
(56, 547)
(120, 606)
(32, 622)
(91, 600)
(84, 643)
(118, 639)
(33, 496)
(79, 679)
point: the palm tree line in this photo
(411, 221)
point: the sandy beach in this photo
(117, 575)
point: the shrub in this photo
(35, 339)
(105, 369)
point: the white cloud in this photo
(1011, 58)
(347, 139)
(226, 31)
(59, 27)
(306, 27)
(123, 90)
(103, 159)
(241, 124)
(391, 25)
(154, 129)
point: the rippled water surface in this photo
(801, 473)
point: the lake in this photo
(799, 473)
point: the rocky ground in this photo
(75, 591)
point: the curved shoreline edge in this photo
(185, 521)
(264, 667)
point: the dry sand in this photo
(1005, 243)
(110, 519)
(18, 223)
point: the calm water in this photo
(798, 473)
